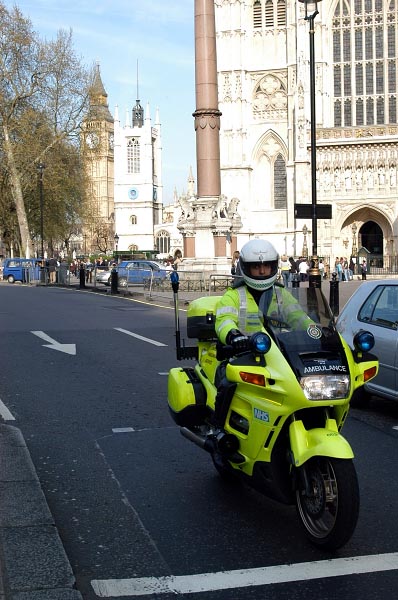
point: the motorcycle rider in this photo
(238, 313)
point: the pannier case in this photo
(186, 397)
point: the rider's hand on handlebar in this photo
(237, 340)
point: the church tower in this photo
(138, 179)
(98, 148)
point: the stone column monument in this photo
(209, 221)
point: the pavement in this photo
(33, 562)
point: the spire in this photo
(147, 112)
(191, 183)
(127, 123)
(99, 109)
(138, 111)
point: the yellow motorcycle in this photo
(289, 396)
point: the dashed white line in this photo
(140, 337)
(5, 413)
(209, 582)
(122, 429)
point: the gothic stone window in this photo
(270, 177)
(163, 242)
(270, 98)
(365, 61)
(133, 155)
(133, 219)
(269, 14)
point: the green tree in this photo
(43, 97)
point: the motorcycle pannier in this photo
(201, 318)
(186, 397)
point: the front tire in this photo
(11, 279)
(327, 501)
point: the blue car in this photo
(135, 272)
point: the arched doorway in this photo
(371, 238)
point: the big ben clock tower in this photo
(98, 148)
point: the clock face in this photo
(111, 141)
(92, 140)
(133, 193)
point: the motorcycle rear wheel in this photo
(329, 510)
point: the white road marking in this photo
(209, 582)
(395, 427)
(140, 337)
(54, 345)
(166, 373)
(122, 429)
(5, 413)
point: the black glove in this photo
(237, 340)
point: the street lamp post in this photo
(116, 238)
(305, 247)
(354, 239)
(311, 11)
(40, 167)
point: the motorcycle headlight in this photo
(325, 387)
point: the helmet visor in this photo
(260, 270)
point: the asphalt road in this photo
(131, 499)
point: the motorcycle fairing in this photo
(305, 443)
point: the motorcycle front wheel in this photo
(327, 501)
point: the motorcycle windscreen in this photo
(303, 327)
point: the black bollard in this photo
(334, 300)
(114, 281)
(82, 276)
(295, 280)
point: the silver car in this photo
(103, 276)
(374, 307)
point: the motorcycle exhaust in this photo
(200, 440)
(225, 443)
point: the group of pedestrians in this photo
(297, 270)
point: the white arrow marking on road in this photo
(54, 345)
(140, 337)
(5, 413)
(224, 580)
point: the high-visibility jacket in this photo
(237, 309)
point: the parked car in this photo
(137, 272)
(374, 307)
(103, 275)
(134, 272)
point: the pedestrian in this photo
(346, 270)
(364, 269)
(321, 268)
(303, 269)
(52, 268)
(177, 260)
(351, 267)
(293, 269)
(235, 260)
(284, 266)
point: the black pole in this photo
(313, 135)
(314, 279)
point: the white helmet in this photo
(259, 251)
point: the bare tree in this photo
(39, 78)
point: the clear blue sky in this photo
(117, 33)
